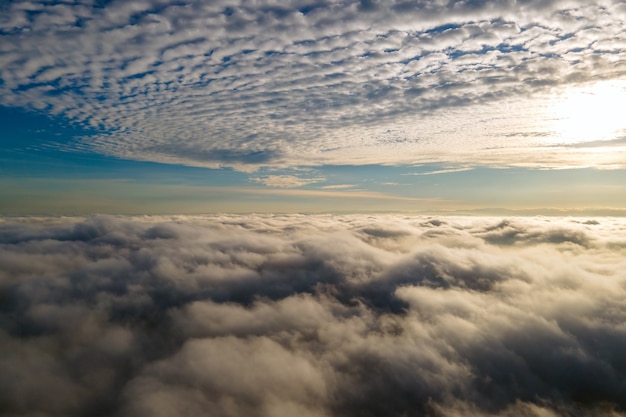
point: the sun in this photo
(591, 113)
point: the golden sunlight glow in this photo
(590, 113)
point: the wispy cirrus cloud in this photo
(245, 84)
(442, 171)
(286, 181)
(338, 186)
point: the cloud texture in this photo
(312, 316)
(261, 83)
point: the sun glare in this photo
(590, 113)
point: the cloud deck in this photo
(312, 316)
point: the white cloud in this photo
(285, 181)
(313, 315)
(442, 171)
(341, 82)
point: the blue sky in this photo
(189, 106)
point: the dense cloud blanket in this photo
(312, 316)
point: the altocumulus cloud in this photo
(312, 316)
(248, 84)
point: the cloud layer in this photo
(250, 84)
(312, 316)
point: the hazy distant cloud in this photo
(285, 181)
(248, 84)
(443, 171)
(338, 186)
(312, 315)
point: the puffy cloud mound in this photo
(312, 316)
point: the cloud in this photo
(442, 171)
(286, 181)
(338, 186)
(337, 82)
(353, 194)
(312, 315)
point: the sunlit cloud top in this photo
(253, 84)
(315, 316)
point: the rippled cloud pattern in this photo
(249, 84)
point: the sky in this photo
(315, 208)
(188, 106)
